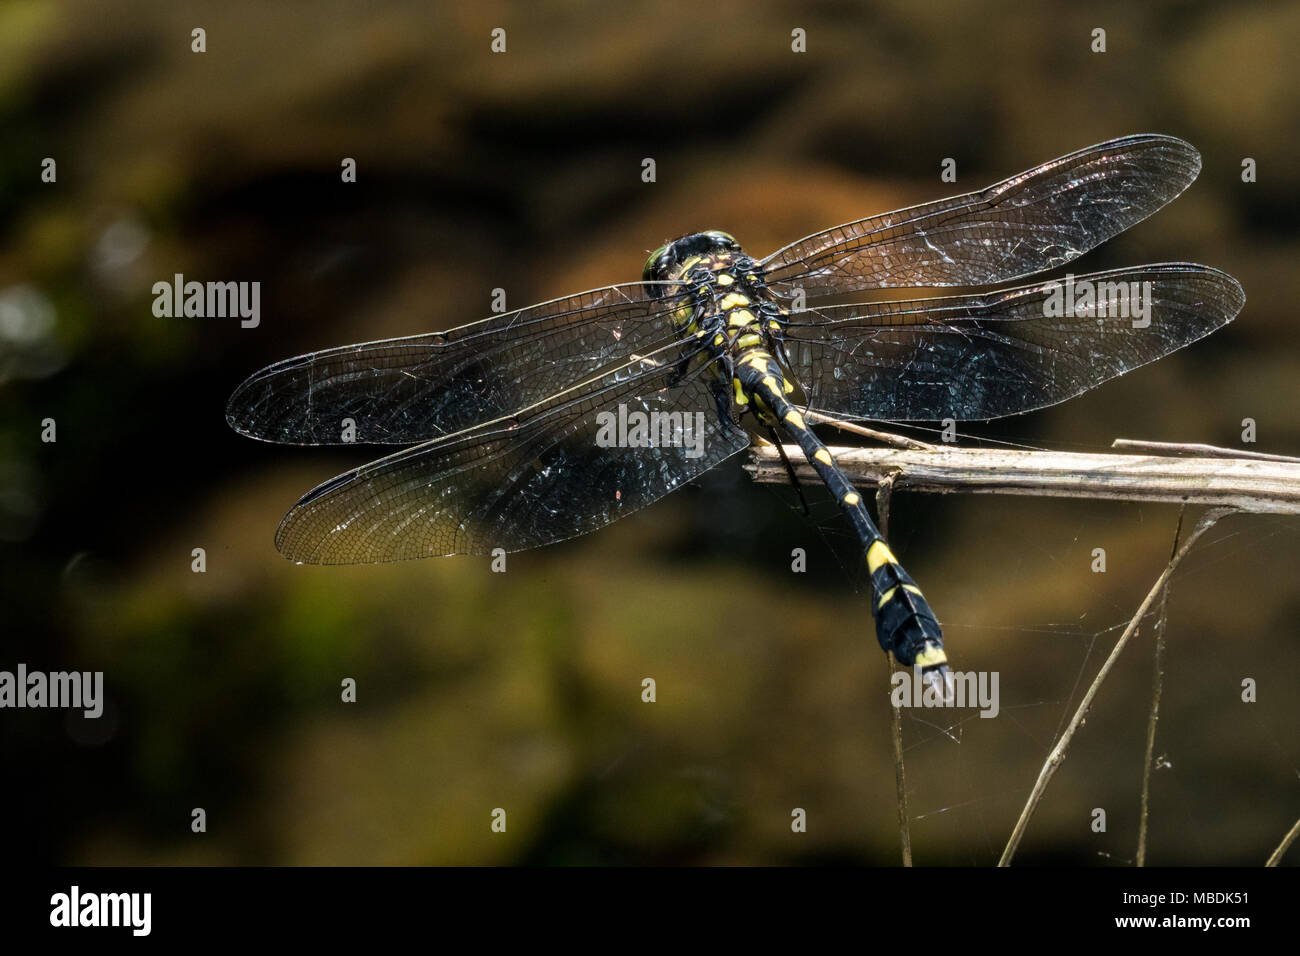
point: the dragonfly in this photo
(537, 425)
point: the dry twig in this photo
(1057, 756)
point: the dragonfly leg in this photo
(719, 385)
(774, 322)
(789, 470)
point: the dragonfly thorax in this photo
(729, 302)
(730, 309)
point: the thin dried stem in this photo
(1057, 756)
(853, 428)
(900, 776)
(1157, 687)
(884, 492)
(1194, 450)
(1242, 484)
(1285, 845)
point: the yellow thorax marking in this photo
(733, 299)
(740, 317)
(879, 555)
(725, 279)
(741, 397)
(745, 341)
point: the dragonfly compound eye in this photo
(654, 264)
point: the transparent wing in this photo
(983, 356)
(543, 475)
(1037, 220)
(415, 388)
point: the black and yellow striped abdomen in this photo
(905, 624)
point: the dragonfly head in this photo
(672, 259)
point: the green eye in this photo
(724, 236)
(648, 273)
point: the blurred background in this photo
(521, 690)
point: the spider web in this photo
(950, 784)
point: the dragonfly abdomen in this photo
(905, 623)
